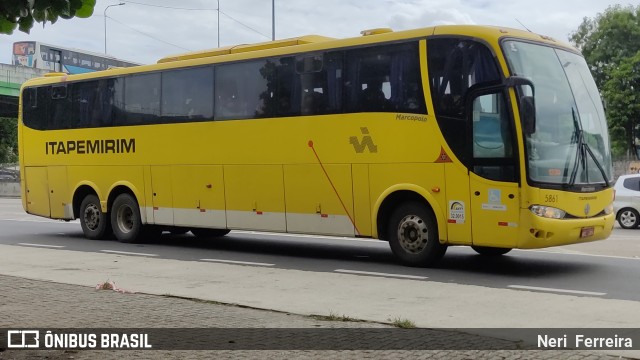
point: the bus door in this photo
(493, 179)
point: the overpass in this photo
(11, 78)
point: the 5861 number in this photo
(551, 198)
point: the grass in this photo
(403, 323)
(333, 317)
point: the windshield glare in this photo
(569, 114)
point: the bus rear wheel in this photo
(413, 235)
(490, 251)
(94, 222)
(209, 233)
(127, 223)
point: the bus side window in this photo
(142, 99)
(384, 79)
(242, 90)
(187, 95)
(34, 109)
(320, 83)
(286, 86)
(60, 108)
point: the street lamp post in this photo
(105, 25)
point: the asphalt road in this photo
(606, 269)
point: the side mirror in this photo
(528, 114)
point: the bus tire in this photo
(94, 222)
(490, 251)
(413, 235)
(209, 233)
(125, 219)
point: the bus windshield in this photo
(570, 143)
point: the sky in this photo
(142, 33)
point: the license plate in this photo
(586, 232)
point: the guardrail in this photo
(9, 180)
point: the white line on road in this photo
(127, 253)
(566, 291)
(403, 276)
(237, 262)
(42, 245)
(564, 252)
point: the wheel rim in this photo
(628, 218)
(413, 234)
(92, 217)
(124, 219)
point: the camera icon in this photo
(23, 339)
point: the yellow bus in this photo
(488, 137)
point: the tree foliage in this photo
(23, 14)
(610, 43)
(8, 141)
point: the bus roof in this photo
(492, 34)
(488, 32)
(308, 39)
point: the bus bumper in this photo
(539, 232)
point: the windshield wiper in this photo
(581, 156)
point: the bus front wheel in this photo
(94, 222)
(413, 235)
(126, 221)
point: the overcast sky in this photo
(142, 33)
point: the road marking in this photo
(42, 245)
(579, 292)
(403, 276)
(127, 253)
(50, 221)
(237, 262)
(579, 253)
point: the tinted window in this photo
(187, 95)
(60, 114)
(35, 102)
(142, 99)
(455, 65)
(632, 183)
(93, 103)
(286, 84)
(385, 78)
(319, 83)
(241, 90)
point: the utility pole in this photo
(105, 25)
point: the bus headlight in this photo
(547, 211)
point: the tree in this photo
(8, 141)
(610, 43)
(23, 13)
(623, 103)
